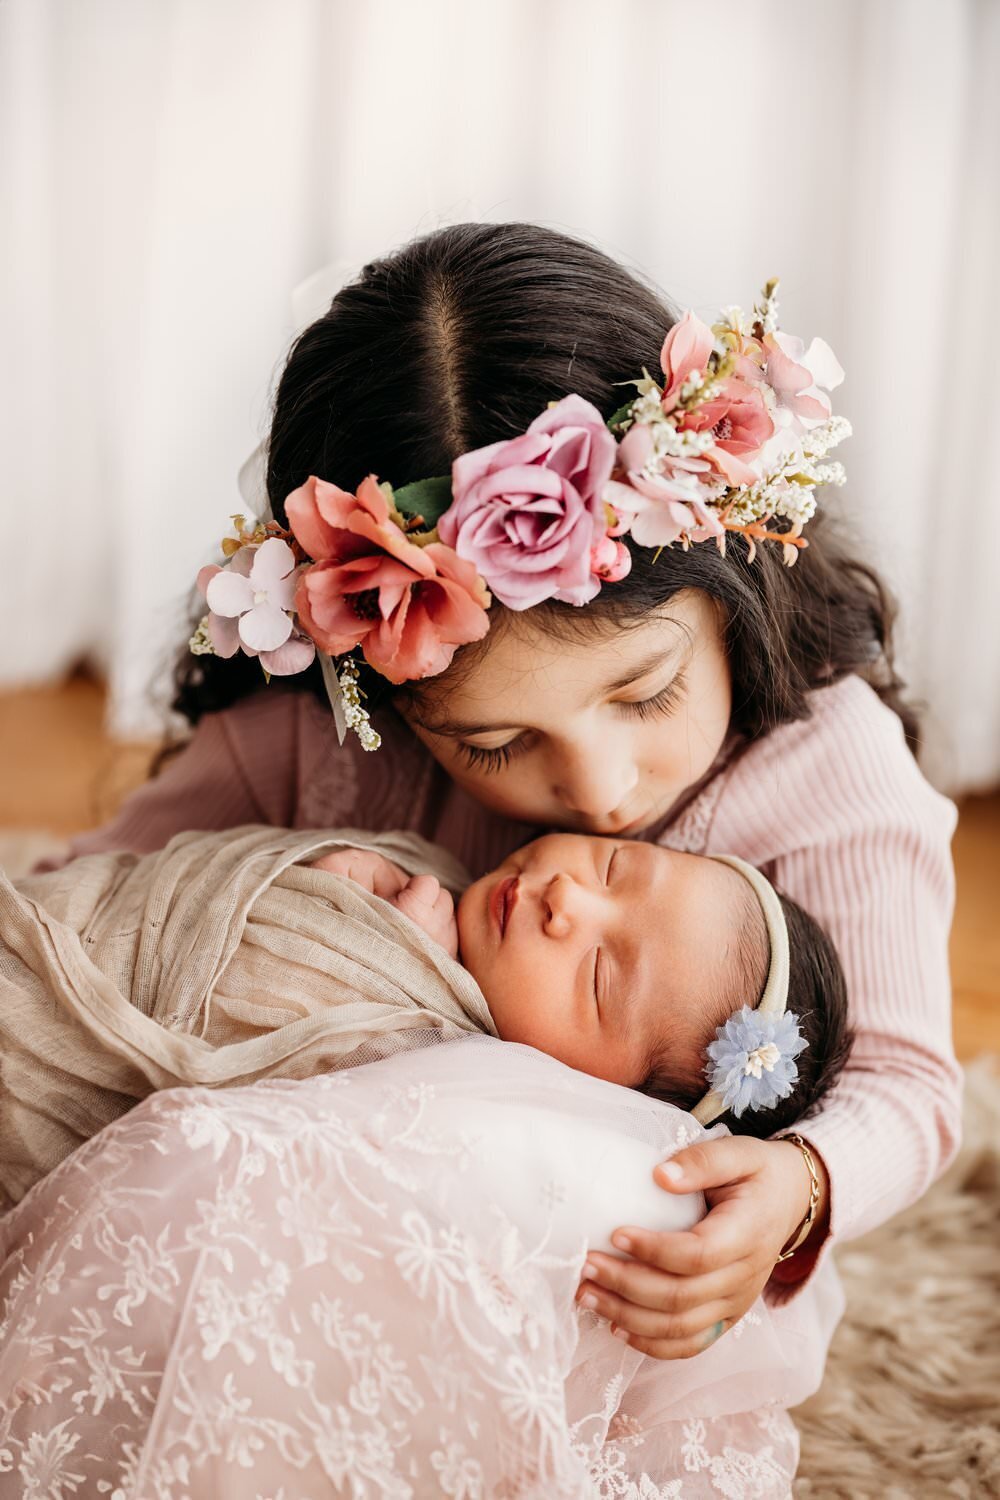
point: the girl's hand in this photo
(681, 1291)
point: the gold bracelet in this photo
(814, 1191)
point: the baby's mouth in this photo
(503, 901)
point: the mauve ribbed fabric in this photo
(833, 809)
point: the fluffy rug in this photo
(910, 1407)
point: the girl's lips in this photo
(502, 901)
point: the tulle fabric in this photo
(362, 1284)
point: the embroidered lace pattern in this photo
(362, 1284)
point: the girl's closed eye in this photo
(481, 758)
(659, 704)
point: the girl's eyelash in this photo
(597, 966)
(660, 703)
(478, 757)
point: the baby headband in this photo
(734, 436)
(752, 1061)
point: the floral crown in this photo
(734, 437)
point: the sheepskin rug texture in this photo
(910, 1407)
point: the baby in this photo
(622, 959)
(227, 958)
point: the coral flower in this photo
(740, 425)
(408, 607)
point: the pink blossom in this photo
(740, 425)
(408, 607)
(528, 511)
(610, 560)
(797, 374)
(249, 602)
(661, 508)
(686, 348)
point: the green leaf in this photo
(429, 498)
(621, 415)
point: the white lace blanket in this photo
(362, 1284)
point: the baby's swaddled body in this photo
(218, 961)
(485, 1170)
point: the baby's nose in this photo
(566, 905)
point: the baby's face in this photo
(603, 952)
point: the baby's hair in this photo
(461, 338)
(817, 994)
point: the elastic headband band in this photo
(775, 996)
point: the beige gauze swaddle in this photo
(219, 960)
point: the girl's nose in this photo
(567, 906)
(595, 782)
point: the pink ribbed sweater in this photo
(833, 809)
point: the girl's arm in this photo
(240, 766)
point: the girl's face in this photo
(599, 735)
(607, 952)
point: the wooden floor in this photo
(59, 771)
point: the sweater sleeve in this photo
(845, 823)
(240, 766)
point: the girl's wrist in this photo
(812, 1196)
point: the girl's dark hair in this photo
(460, 339)
(817, 994)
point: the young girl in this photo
(710, 700)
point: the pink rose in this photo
(528, 511)
(408, 607)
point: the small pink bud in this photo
(610, 560)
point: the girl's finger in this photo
(676, 1348)
(672, 1328)
(710, 1164)
(721, 1238)
(657, 1290)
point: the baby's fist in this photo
(425, 902)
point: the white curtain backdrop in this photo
(171, 169)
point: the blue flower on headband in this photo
(752, 1062)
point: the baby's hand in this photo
(425, 902)
(419, 897)
(372, 871)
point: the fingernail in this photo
(672, 1170)
(620, 1333)
(588, 1300)
(590, 1272)
(621, 1241)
